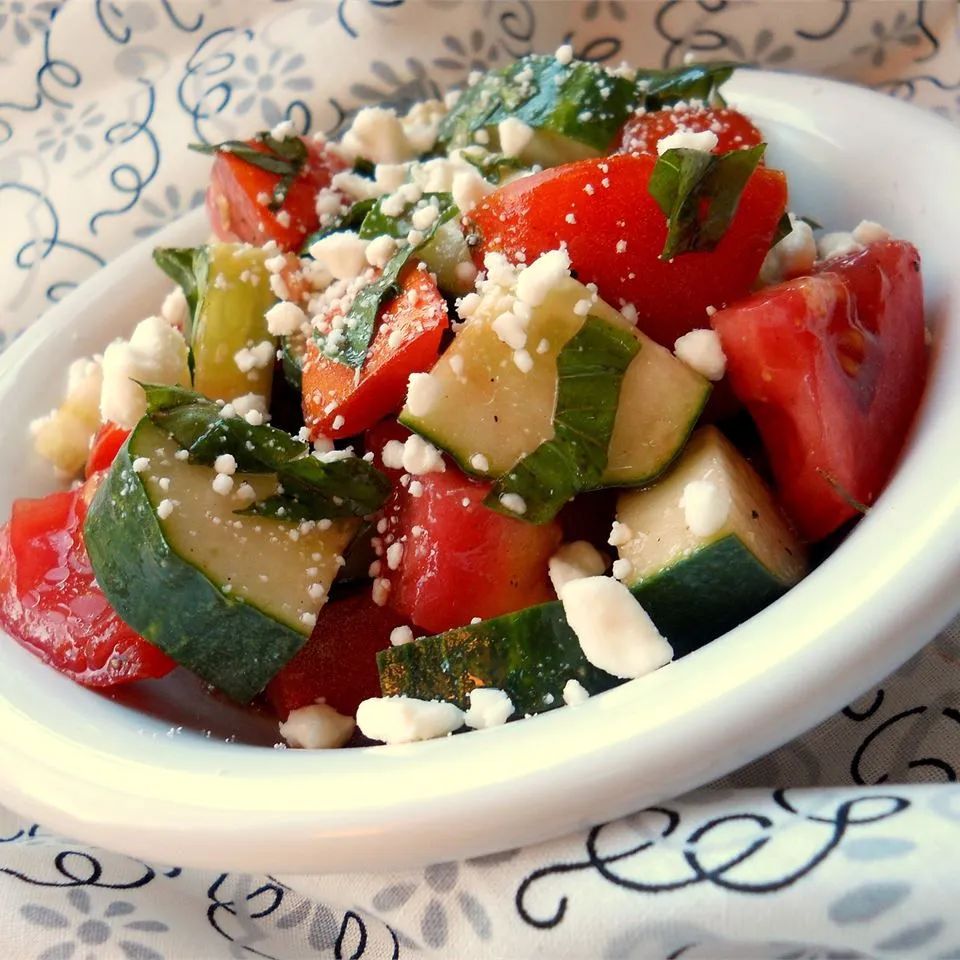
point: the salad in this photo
(471, 414)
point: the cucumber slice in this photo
(488, 406)
(227, 596)
(229, 318)
(696, 587)
(444, 254)
(530, 655)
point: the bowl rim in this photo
(248, 808)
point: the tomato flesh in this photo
(236, 213)
(50, 602)
(338, 664)
(831, 368)
(614, 232)
(460, 559)
(336, 403)
(106, 445)
(733, 130)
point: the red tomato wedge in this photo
(338, 664)
(50, 603)
(461, 560)
(832, 368)
(236, 213)
(106, 445)
(614, 232)
(336, 403)
(734, 131)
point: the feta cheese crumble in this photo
(574, 693)
(620, 534)
(535, 282)
(701, 351)
(614, 631)
(317, 727)
(344, 254)
(574, 561)
(837, 244)
(423, 392)
(406, 719)
(704, 141)
(514, 503)
(705, 506)
(514, 136)
(793, 256)
(401, 635)
(420, 457)
(489, 707)
(284, 318)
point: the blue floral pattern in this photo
(97, 101)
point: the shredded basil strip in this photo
(361, 318)
(699, 193)
(350, 219)
(579, 100)
(784, 229)
(189, 267)
(698, 81)
(312, 489)
(283, 157)
(494, 166)
(590, 371)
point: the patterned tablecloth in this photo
(855, 858)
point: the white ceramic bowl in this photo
(104, 773)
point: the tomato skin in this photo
(467, 561)
(338, 664)
(831, 368)
(236, 214)
(734, 131)
(50, 603)
(106, 445)
(529, 216)
(382, 386)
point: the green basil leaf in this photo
(311, 488)
(590, 370)
(494, 167)
(350, 219)
(579, 100)
(283, 157)
(698, 81)
(699, 193)
(811, 223)
(189, 267)
(361, 318)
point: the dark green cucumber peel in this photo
(566, 99)
(292, 350)
(226, 641)
(531, 654)
(312, 490)
(590, 370)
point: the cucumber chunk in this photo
(228, 596)
(696, 587)
(530, 655)
(230, 317)
(488, 406)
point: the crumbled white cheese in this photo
(421, 457)
(284, 318)
(343, 253)
(225, 463)
(704, 141)
(415, 489)
(574, 561)
(469, 188)
(284, 130)
(510, 330)
(523, 361)
(421, 124)
(175, 309)
(514, 136)
(535, 282)
(514, 503)
(489, 707)
(869, 231)
(254, 418)
(705, 506)
(574, 693)
(424, 217)
(164, 509)
(423, 392)
(394, 555)
(406, 719)
(392, 454)
(155, 353)
(141, 464)
(564, 54)
(377, 134)
(222, 484)
(622, 568)
(837, 244)
(479, 463)
(614, 631)
(317, 727)
(246, 404)
(380, 250)
(701, 350)
(793, 256)
(257, 357)
(620, 534)
(401, 635)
